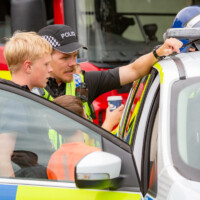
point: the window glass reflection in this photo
(38, 142)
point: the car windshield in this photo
(185, 127)
(117, 32)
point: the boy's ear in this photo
(27, 66)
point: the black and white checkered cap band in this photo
(54, 43)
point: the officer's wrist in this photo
(156, 53)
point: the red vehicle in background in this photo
(116, 32)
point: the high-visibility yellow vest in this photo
(71, 90)
(55, 137)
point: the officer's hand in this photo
(170, 45)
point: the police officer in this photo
(64, 59)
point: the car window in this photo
(185, 127)
(16, 7)
(38, 142)
(117, 31)
(153, 159)
(133, 108)
(188, 140)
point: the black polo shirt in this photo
(25, 87)
(98, 82)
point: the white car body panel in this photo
(171, 184)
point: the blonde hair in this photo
(24, 46)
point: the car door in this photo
(139, 122)
(26, 121)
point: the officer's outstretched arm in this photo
(142, 65)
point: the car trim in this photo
(130, 99)
(36, 183)
(143, 99)
(140, 139)
(180, 67)
(160, 70)
(18, 192)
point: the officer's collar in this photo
(53, 82)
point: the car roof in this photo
(179, 67)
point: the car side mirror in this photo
(98, 170)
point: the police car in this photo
(155, 156)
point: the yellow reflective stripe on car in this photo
(133, 118)
(127, 113)
(47, 193)
(159, 68)
(5, 74)
(137, 106)
(116, 131)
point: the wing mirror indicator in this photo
(89, 176)
(98, 170)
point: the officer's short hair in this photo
(24, 46)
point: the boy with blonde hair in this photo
(28, 57)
